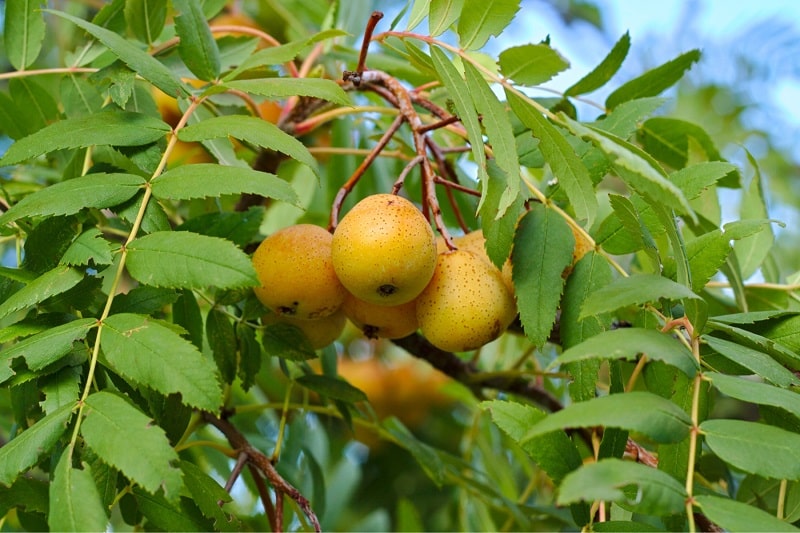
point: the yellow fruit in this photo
(381, 321)
(466, 304)
(384, 251)
(320, 332)
(296, 273)
(475, 242)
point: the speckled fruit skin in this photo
(381, 321)
(320, 332)
(384, 251)
(296, 272)
(475, 242)
(466, 304)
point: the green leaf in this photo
(462, 99)
(110, 428)
(531, 64)
(209, 179)
(146, 18)
(167, 515)
(757, 361)
(275, 55)
(752, 251)
(68, 197)
(287, 341)
(427, 456)
(184, 260)
(603, 72)
(60, 389)
(197, 46)
(590, 273)
(34, 102)
(333, 388)
(636, 289)
(418, 12)
(75, 503)
(635, 167)
(623, 120)
(499, 231)
(154, 356)
(655, 81)
(650, 491)
(240, 227)
(442, 15)
(284, 87)
(667, 139)
(480, 20)
(695, 179)
(138, 60)
(754, 392)
(56, 281)
(208, 494)
(565, 164)
(89, 247)
(47, 347)
(250, 355)
(629, 343)
(222, 339)
(26, 494)
(735, 516)
(24, 450)
(498, 129)
(554, 452)
(755, 448)
(542, 250)
(143, 300)
(116, 128)
(23, 32)
(251, 130)
(642, 412)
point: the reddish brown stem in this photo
(398, 184)
(353, 179)
(441, 124)
(457, 186)
(263, 493)
(370, 29)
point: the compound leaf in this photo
(603, 72)
(197, 46)
(480, 20)
(75, 503)
(654, 81)
(531, 64)
(636, 289)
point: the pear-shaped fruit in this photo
(384, 251)
(296, 272)
(381, 321)
(320, 332)
(466, 304)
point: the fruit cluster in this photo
(383, 270)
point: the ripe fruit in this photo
(296, 273)
(384, 251)
(320, 332)
(466, 304)
(381, 321)
(475, 242)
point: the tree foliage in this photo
(647, 383)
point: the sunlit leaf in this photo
(252, 130)
(197, 46)
(655, 81)
(284, 87)
(209, 179)
(480, 20)
(531, 64)
(152, 355)
(442, 14)
(603, 72)
(181, 259)
(565, 164)
(137, 59)
(116, 128)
